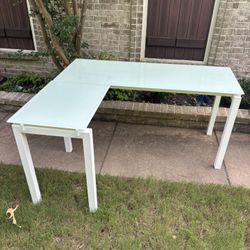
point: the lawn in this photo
(133, 214)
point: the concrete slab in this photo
(174, 154)
(49, 151)
(237, 159)
(8, 149)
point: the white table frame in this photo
(86, 135)
(20, 132)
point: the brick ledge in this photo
(145, 113)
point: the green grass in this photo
(133, 214)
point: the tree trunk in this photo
(79, 31)
(46, 19)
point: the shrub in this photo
(119, 95)
(245, 102)
(25, 82)
(33, 83)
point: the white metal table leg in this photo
(24, 152)
(90, 169)
(227, 131)
(68, 144)
(213, 115)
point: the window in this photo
(178, 29)
(15, 30)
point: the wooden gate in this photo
(15, 31)
(178, 29)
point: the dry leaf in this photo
(11, 212)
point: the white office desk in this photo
(67, 104)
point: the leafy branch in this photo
(61, 24)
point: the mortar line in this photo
(108, 148)
(224, 163)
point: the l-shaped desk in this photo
(67, 104)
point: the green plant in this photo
(25, 82)
(61, 24)
(33, 83)
(245, 102)
(104, 56)
(119, 95)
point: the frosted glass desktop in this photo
(67, 104)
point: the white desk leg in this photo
(213, 115)
(90, 169)
(24, 152)
(68, 144)
(227, 131)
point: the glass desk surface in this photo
(72, 98)
(61, 106)
(153, 76)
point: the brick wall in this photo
(231, 39)
(115, 26)
(107, 27)
(146, 113)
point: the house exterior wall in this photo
(116, 26)
(231, 38)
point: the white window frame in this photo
(208, 45)
(33, 36)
